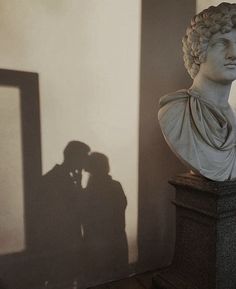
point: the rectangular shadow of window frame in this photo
(28, 85)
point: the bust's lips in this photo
(231, 64)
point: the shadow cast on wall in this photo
(14, 266)
(73, 234)
(80, 232)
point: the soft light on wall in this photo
(203, 4)
(87, 57)
(11, 175)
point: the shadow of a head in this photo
(76, 155)
(98, 164)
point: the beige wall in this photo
(87, 55)
(11, 177)
(203, 4)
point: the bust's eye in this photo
(221, 43)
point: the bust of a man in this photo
(198, 123)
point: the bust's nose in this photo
(231, 51)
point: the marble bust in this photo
(198, 123)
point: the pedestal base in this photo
(205, 251)
(168, 279)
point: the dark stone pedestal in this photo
(205, 250)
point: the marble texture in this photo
(198, 123)
(205, 251)
(202, 135)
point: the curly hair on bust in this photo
(221, 18)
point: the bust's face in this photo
(220, 64)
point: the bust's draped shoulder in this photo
(202, 135)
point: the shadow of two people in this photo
(80, 232)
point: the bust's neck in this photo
(217, 93)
